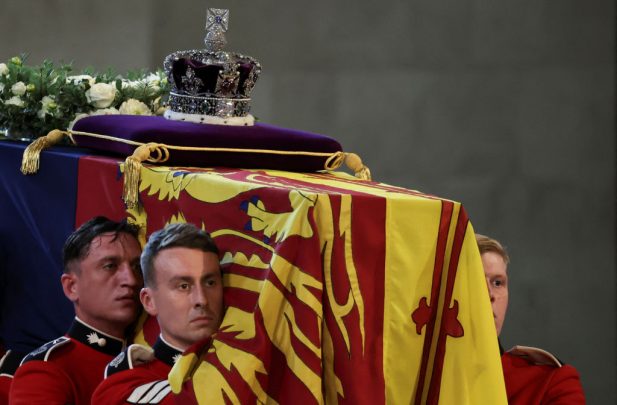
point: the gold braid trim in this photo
(329, 155)
(32, 155)
(159, 153)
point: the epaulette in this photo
(43, 352)
(535, 356)
(10, 362)
(150, 393)
(135, 354)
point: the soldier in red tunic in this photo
(532, 376)
(184, 290)
(102, 279)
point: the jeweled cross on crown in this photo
(217, 19)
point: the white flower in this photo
(130, 84)
(158, 108)
(101, 95)
(78, 79)
(47, 103)
(19, 89)
(152, 82)
(1, 87)
(134, 107)
(15, 100)
(4, 69)
(106, 111)
(153, 78)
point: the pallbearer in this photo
(102, 279)
(184, 290)
(532, 376)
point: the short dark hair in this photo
(174, 235)
(77, 245)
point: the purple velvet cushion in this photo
(178, 133)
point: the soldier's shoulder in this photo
(133, 356)
(44, 352)
(535, 356)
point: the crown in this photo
(211, 85)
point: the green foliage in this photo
(37, 99)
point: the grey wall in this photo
(507, 107)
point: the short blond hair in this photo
(486, 244)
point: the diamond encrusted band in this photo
(219, 107)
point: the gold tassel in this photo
(132, 175)
(32, 155)
(354, 163)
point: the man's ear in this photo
(70, 286)
(147, 300)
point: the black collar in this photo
(165, 352)
(94, 338)
(501, 351)
(10, 361)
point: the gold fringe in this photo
(132, 173)
(32, 155)
(354, 163)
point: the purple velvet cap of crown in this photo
(145, 129)
(208, 75)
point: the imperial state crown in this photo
(211, 85)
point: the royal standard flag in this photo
(337, 290)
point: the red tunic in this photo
(528, 383)
(66, 370)
(8, 365)
(5, 385)
(145, 383)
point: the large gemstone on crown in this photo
(204, 73)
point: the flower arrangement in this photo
(37, 99)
